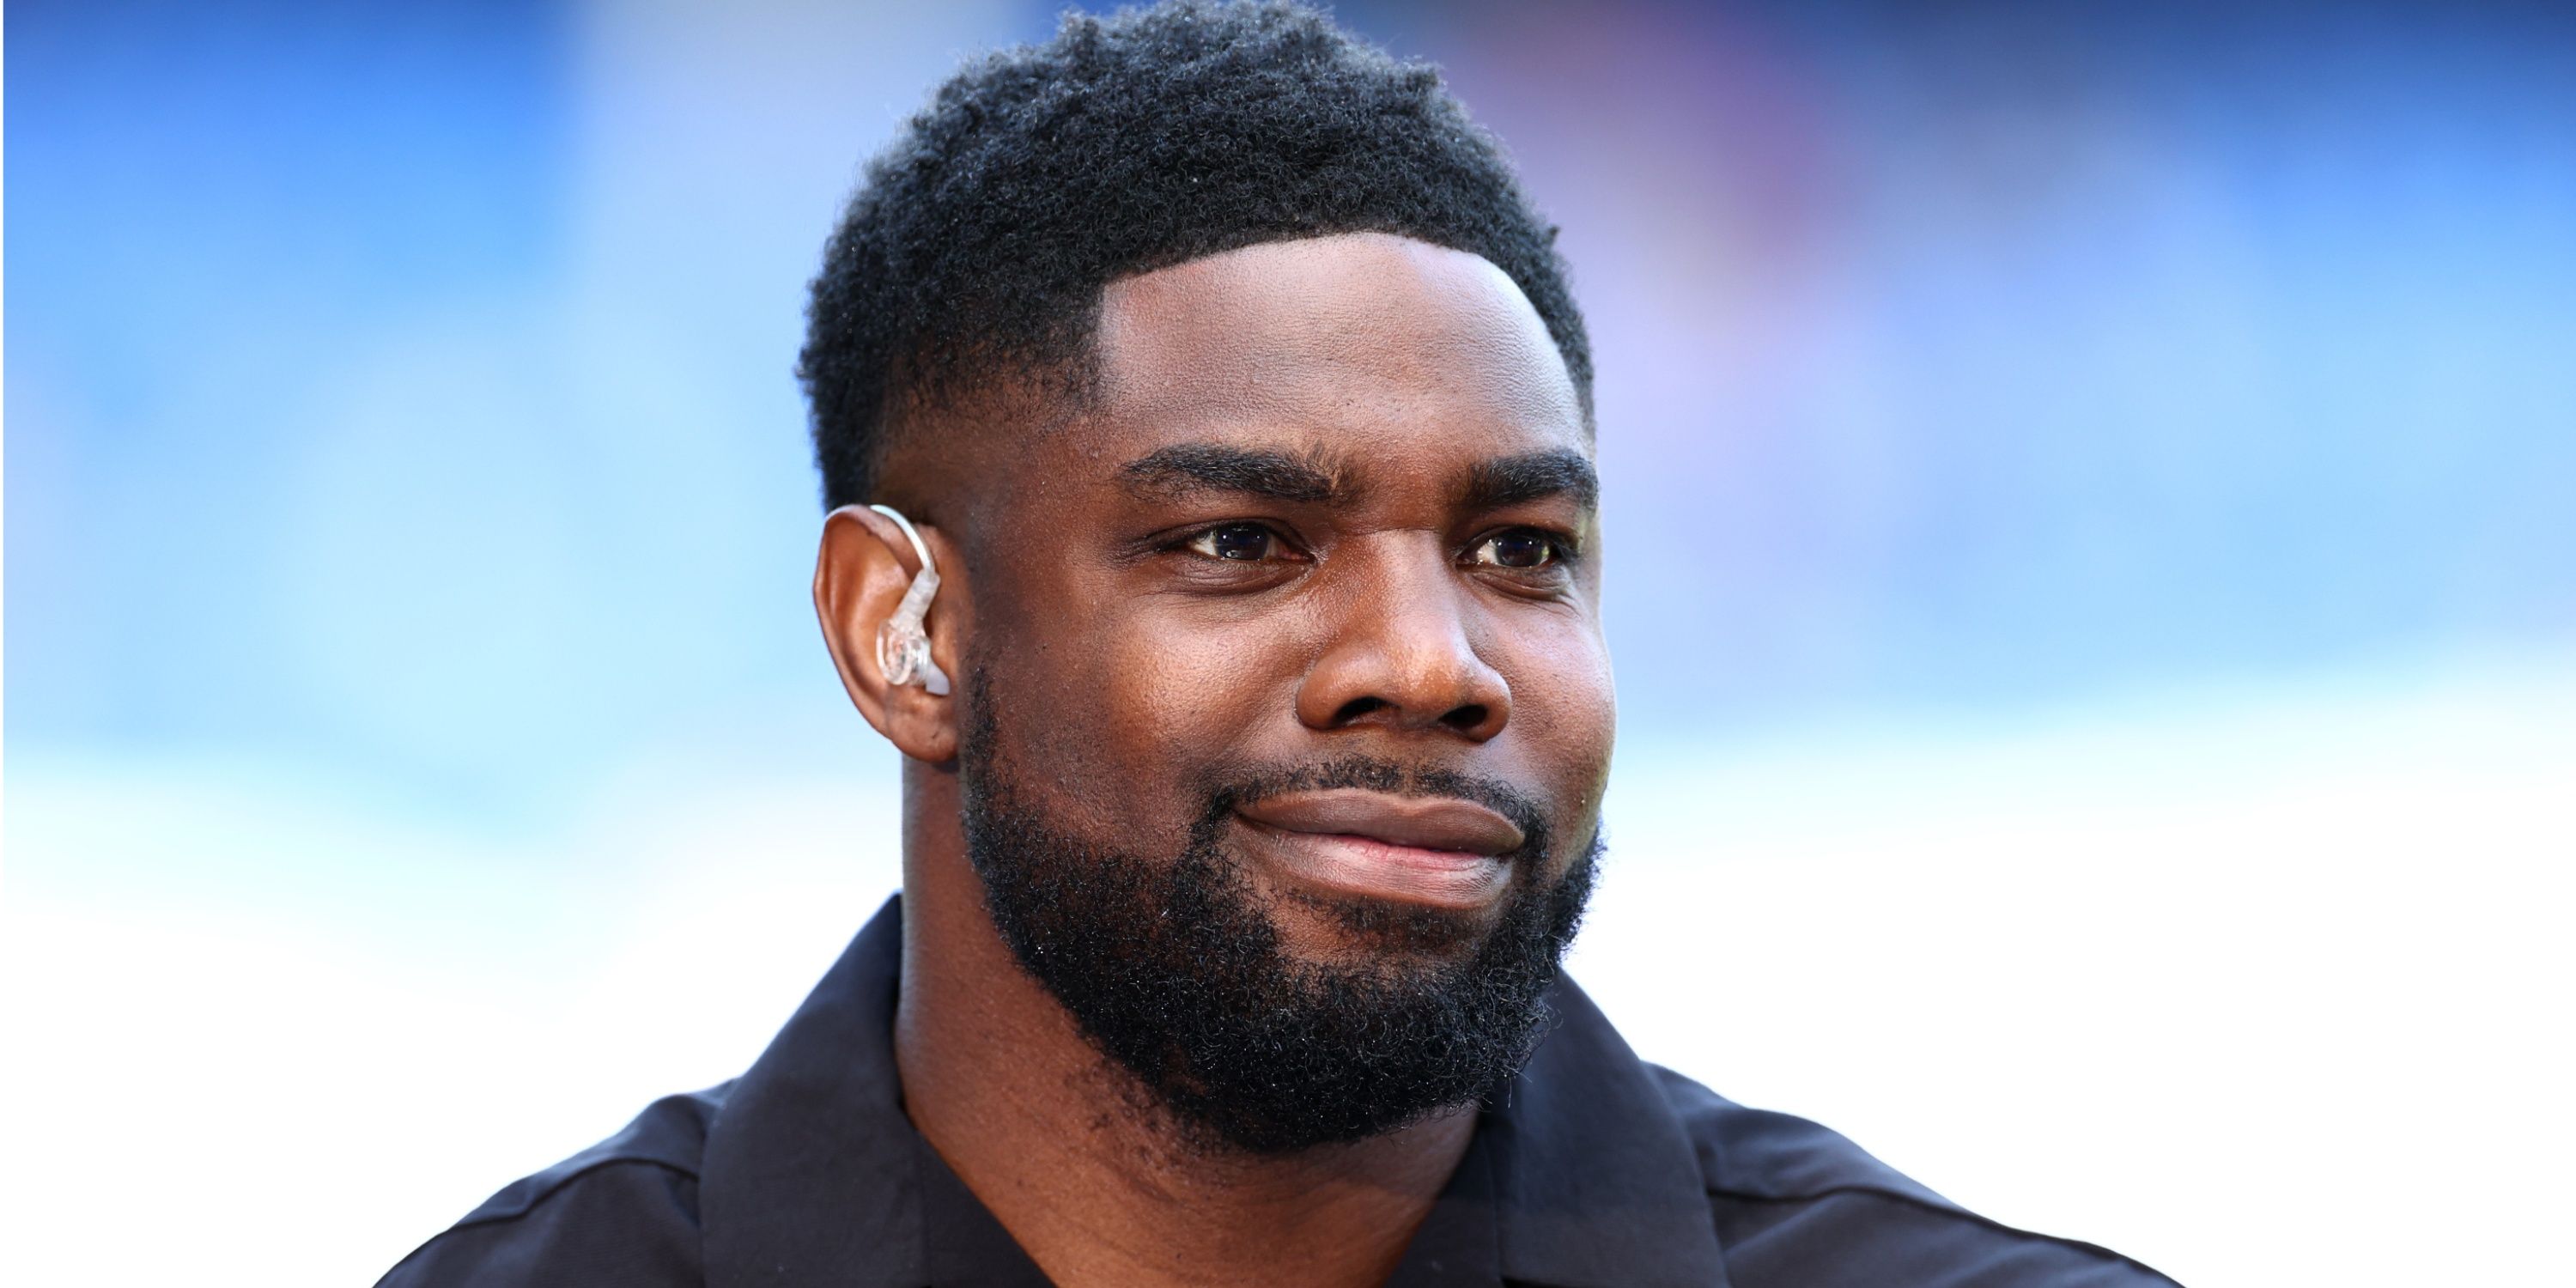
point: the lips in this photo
(1435, 850)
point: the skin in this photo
(1130, 661)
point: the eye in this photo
(1521, 548)
(1241, 542)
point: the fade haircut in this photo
(980, 241)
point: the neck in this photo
(1074, 1157)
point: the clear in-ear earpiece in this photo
(903, 648)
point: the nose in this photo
(1402, 655)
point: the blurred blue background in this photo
(407, 498)
(409, 391)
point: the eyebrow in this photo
(1532, 476)
(1283, 476)
(1216, 467)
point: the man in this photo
(1207, 430)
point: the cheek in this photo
(1125, 710)
(1187, 694)
(1564, 709)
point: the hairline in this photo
(1070, 387)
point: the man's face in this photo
(1295, 637)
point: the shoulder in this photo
(623, 1211)
(1797, 1203)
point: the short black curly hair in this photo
(981, 240)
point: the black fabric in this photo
(1592, 1169)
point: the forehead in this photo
(1383, 342)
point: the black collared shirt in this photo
(1592, 1169)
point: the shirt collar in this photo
(1580, 1175)
(809, 1171)
(1597, 1182)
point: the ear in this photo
(860, 575)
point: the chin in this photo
(1347, 930)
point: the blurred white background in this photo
(2090, 502)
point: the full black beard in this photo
(1174, 970)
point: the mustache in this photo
(1242, 785)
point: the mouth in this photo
(1439, 852)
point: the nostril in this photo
(1465, 719)
(1356, 708)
